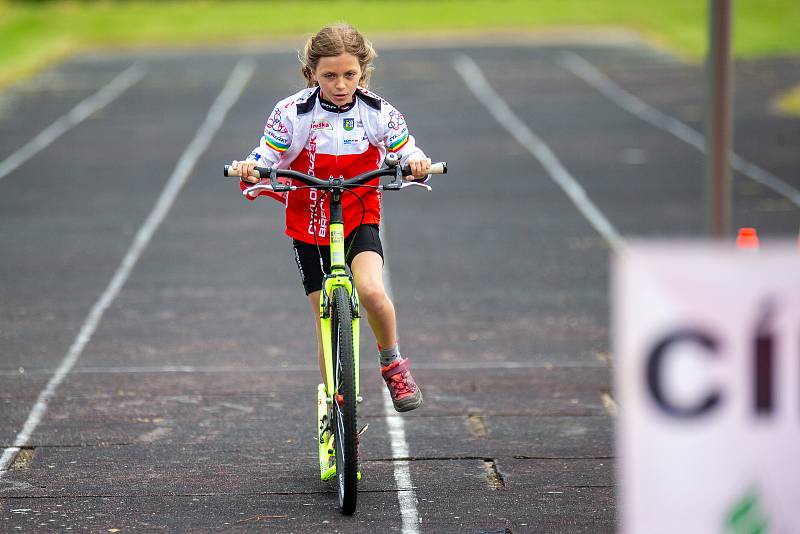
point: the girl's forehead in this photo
(341, 62)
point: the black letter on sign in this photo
(764, 375)
(655, 363)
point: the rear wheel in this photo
(344, 405)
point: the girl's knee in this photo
(372, 296)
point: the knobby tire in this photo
(344, 408)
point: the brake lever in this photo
(252, 191)
(274, 185)
(418, 184)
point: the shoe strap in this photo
(399, 368)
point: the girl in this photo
(335, 127)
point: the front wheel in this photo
(344, 400)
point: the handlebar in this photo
(393, 169)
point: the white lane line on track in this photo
(200, 369)
(590, 74)
(78, 114)
(406, 496)
(216, 114)
(480, 87)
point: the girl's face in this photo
(338, 77)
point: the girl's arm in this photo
(275, 141)
(398, 139)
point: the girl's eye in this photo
(329, 76)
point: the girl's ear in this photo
(308, 74)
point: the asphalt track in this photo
(187, 404)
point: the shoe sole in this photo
(406, 405)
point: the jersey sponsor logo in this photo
(275, 123)
(348, 124)
(312, 154)
(279, 144)
(396, 120)
(321, 125)
(318, 219)
(282, 139)
(354, 140)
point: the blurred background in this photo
(570, 127)
(35, 33)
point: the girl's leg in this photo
(367, 270)
(313, 299)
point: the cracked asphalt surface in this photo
(192, 406)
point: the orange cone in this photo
(747, 238)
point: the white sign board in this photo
(707, 376)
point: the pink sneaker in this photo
(405, 394)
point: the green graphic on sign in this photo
(746, 516)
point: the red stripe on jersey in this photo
(301, 225)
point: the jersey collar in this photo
(333, 108)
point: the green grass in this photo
(34, 33)
(789, 102)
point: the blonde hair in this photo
(332, 41)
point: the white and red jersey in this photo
(308, 134)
